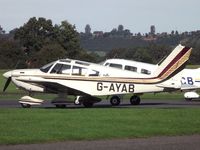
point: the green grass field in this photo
(49, 125)
(39, 125)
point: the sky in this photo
(104, 15)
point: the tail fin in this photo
(174, 63)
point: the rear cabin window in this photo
(56, 68)
(144, 71)
(65, 69)
(116, 65)
(93, 73)
(131, 68)
(79, 71)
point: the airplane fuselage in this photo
(96, 86)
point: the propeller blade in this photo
(7, 83)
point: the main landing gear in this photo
(135, 100)
(87, 101)
(116, 100)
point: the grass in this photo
(48, 125)
(164, 95)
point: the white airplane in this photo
(88, 80)
(188, 78)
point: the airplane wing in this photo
(52, 86)
(59, 88)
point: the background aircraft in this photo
(188, 78)
(88, 80)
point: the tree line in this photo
(39, 42)
(153, 52)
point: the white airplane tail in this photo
(174, 63)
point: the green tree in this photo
(116, 53)
(44, 42)
(68, 38)
(142, 55)
(11, 54)
(52, 51)
(34, 34)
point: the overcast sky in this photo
(136, 15)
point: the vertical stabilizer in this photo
(174, 63)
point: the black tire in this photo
(25, 105)
(135, 100)
(188, 99)
(87, 104)
(60, 105)
(115, 100)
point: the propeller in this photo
(9, 76)
(7, 83)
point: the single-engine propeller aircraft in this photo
(188, 78)
(88, 80)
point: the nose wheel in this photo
(25, 105)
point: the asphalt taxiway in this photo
(152, 143)
(146, 103)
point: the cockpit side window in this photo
(80, 71)
(131, 68)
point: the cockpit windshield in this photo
(46, 67)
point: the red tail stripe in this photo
(174, 60)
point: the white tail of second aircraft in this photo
(173, 64)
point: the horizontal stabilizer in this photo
(189, 87)
(168, 85)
